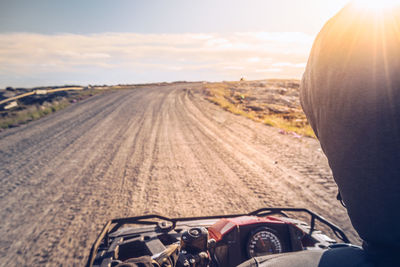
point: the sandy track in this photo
(151, 150)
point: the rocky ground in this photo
(272, 102)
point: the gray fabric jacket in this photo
(350, 93)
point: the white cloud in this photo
(268, 70)
(288, 64)
(281, 37)
(216, 55)
(233, 68)
(253, 59)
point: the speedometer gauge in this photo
(263, 242)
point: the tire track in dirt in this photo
(230, 171)
(35, 153)
(305, 176)
(115, 150)
(148, 187)
(76, 195)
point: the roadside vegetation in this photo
(272, 102)
(34, 107)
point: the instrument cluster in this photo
(243, 238)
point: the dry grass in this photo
(236, 101)
(25, 113)
(30, 114)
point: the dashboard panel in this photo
(240, 240)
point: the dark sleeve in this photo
(343, 257)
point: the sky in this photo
(54, 42)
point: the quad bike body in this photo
(226, 240)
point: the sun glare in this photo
(376, 5)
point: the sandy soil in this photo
(149, 150)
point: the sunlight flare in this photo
(376, 5)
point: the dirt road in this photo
(147, 150)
